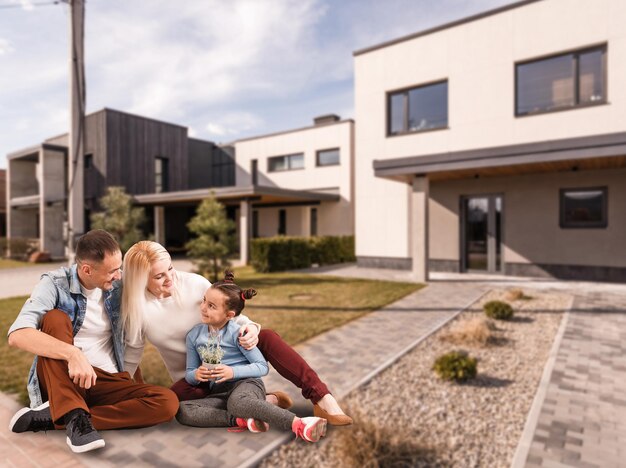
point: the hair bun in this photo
(229, 276)
(249, 293)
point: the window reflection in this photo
(560, 82)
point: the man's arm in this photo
(41, 344)
(24, 334)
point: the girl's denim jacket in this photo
(60, 289)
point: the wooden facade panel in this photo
(133, 144)
(95, 162)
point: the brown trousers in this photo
(115, 402)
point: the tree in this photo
(119, 217)
(215, 238)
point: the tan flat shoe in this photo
(284, 400)
(333, 419)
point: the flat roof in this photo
(569, 149)
(34, 150)
(311, 127)
(451, 24)
(238, 193)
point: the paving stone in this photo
(585, 396)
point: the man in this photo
(71, 322)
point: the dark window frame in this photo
(314, 221)
(405, 91)
(288, 159)
(164, 175)
(255, 224)
(576, 64)
(282, 222)
(602, 224)
(317, 157)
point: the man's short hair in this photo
(94, 245)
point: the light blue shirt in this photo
(245, 363)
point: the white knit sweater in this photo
(166, 325)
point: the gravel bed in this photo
(478, 423)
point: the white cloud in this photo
(233, 123)
(5, 47)
(229, 69)
(216, 129)
(26, 4)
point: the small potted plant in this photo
(211, 353)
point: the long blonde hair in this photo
(137, 264)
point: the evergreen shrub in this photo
(455, 365)
(498, 310)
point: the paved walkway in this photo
(344, 358)
(577, 418)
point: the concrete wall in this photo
(52, 203)
(478, 60)
(334, 218)
(531, 231)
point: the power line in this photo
(36, 4)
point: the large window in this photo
(584, 208)
(329, 157)
(561, 82)
(288, 162)
(418, 109)
(161, 175)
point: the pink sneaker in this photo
(253, 425)
(310, 429)
(256, 425)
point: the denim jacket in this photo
(60, 289)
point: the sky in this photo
(226, 69)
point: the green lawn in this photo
(8, 263)
(297, 307)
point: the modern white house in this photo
(316, 159)
(496, 143)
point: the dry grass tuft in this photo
(516, 294)
(372, 444)
(475, 331)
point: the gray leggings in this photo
(229, 400)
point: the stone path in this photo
(582, 418)
(578, 417)
(344, 358)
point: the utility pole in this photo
(75, 198)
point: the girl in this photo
(160, 304)
(234, 392)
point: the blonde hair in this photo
(137, 264)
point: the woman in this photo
(162, 305)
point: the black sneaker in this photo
(37, 419)
(81, 436)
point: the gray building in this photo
(164, 170)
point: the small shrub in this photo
(498, 310)
(455, 365)
(474, 331)
(373, 444)
(20, 247)
(517, 294)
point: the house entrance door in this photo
(481, 232)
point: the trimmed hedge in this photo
(21, 247)
(289, 253)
